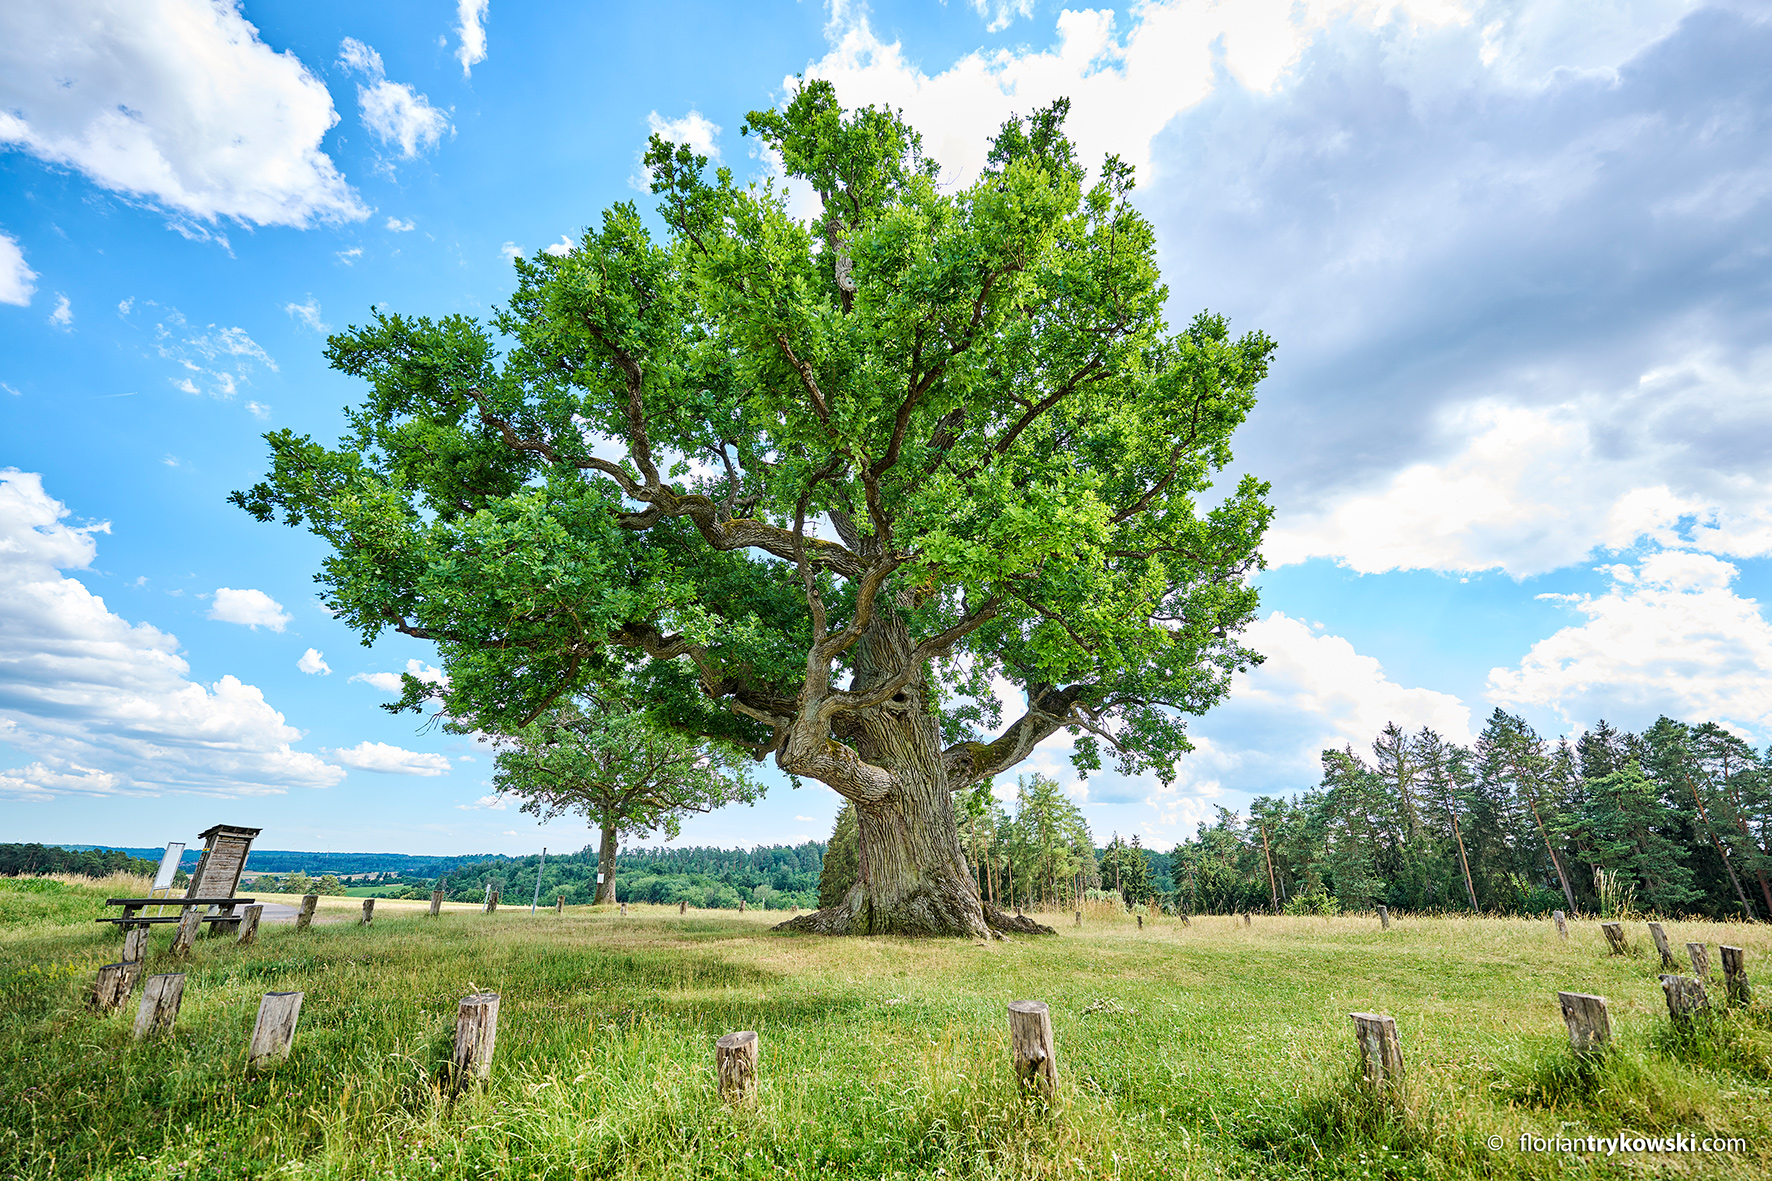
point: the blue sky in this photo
(1517, 256)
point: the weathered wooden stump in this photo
(741, 906)
(735, 1065)
(624, 910)
(135, 944)
(683, 906)
(476, 1031)
(436, 903)
(1700, 959)
(1248, 919)
(1384, 918)
(1735, 975)
(1079, 921)
(1381, 1054)
(115, 983)
(1140, 922)
(1659, 937)
(1615, 937)
(1031, 1048)
(1185, 921)
(249, 918)
(161, 997)
(274, 1031)
(190, 920)
(560, 904)
(1562, 924)
(305, 915)
(1685, 999)
(1590, 1028)
(491, 902)
(368, 913)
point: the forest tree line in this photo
(1676, 820)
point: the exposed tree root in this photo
(924, 914)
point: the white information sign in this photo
(169, 865)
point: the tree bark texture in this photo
(606, 850)
(878, 745)
(1685, 1000)
(1700, 959)
(135, 943)
(1615, 937)
(1031, 1046)
(436, 903)
(190, 920)
(735, 1064)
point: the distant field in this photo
(1183, 1051)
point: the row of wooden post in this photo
(273, 1032)
(1734, 960)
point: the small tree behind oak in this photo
(970, 390)
(626, 774)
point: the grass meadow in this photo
(1184, 1051)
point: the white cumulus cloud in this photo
(393, 112)
(390, 760)
(313, 662)
(1670, 636)
(391, 682)
(395, 225)
(17, 281)
(251, 608)
(63, 315)
(102, 706)
(175, 101)
(471, 28)
(561, 248)
(695, 129)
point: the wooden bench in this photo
(132, 908)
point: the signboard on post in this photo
(175, 850)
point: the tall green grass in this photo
(1204, 1050)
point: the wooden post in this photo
(1248, 919)
(305, 915)
(1384, 918)
(161, 997)
(1186, 921)
(1614, 936)
(1661, 944)
(115, 983)
(1031, 1048)
(624, 910)
(368, 913)
(741, 906)
(1735, 975)
(1590, 1028)
(190, 919)
(683, 906)
(1685, 999)
(476, 1030)
(274, 1031)
(135, 944)
(491, 902)
(436, 903)
(249, 924)
(1381, 1054)
(560, 904)
(1562, 925)
(1140, 919)
(735, 1065)
(1079, 921)
(1700, 959)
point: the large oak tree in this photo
(816, 487)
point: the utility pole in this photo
(538, 869)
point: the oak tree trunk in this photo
(912, 878)
(606, 850)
